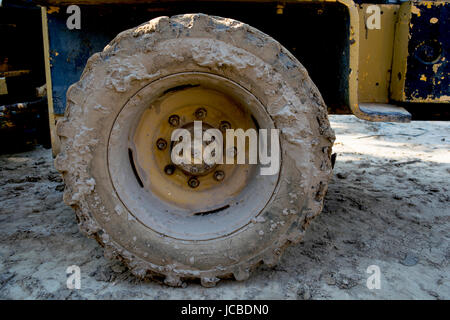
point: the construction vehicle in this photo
(122, 76)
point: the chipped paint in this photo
(436, 66)
(420, 68)
(51, 10)
(415, 10)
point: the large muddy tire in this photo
(111, 170)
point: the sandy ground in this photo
(388, 205)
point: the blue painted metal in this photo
(69, 52)
(428, 66)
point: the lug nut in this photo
(193, 182)
(174, 120)
(169, 169)
(219, 175)
(224, 125)
(200, 113)
(161, 144)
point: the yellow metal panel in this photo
(400, 53)
(353, 38)
(48, 79)
(3, 88)
(375, 54)
(402, 82)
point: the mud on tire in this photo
(224, 48)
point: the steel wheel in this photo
(188, 201)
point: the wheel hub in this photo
(196, 169)
(192, 201)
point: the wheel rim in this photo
(188, 202)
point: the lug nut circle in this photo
(161, 144)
